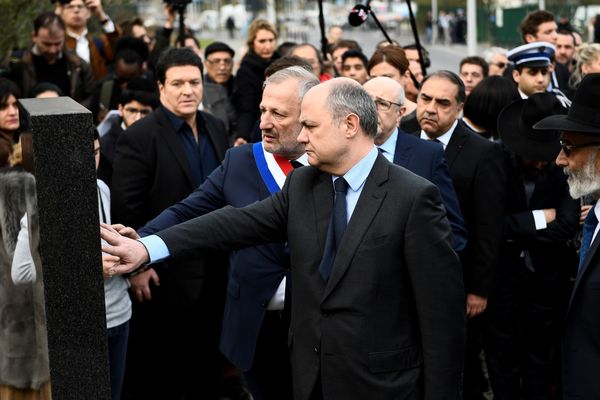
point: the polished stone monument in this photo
(64, 169)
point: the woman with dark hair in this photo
(485, 102)
(9, 111)
(391, 61)
(261, 42)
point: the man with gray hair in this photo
(255, 324)
(377, 297)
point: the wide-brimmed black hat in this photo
(584, 113)
(515, 125)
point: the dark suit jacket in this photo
(427, 160)
(150, 173)
(547, 248)
(478, 171)
(581, 338)
(255, 272)
(390, 322)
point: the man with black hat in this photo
(219, 84)
(540, 218)
(533, 68)
(580, 140)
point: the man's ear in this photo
(529, 38)
(516, 75)
(352, 125)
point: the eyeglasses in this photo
(215, 61)
(142, 111)
(384, 105)
(567, 148)
(500, 64)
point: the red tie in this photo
(284, 164)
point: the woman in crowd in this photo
(9, 111)
(261, 42)
(26, 270)
(391, 61)
(588, 61)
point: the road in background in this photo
(442, 56)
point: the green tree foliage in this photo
(16, 22)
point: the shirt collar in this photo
(389, 146)
(358, 174)
(445, 138)
(523, 95)
(303, 159)
(76, 36)
(177, 122)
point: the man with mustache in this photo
(255, 323)
(580, 140)
(478, 173)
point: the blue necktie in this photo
(589, 226)
(336, 229)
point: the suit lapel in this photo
(586, 263)
(455, 145)
(170, 137)
(366, 209)
(323, 206)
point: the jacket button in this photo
(316, 350)
(264, 304)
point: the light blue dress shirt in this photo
(356, 177)
(388, 148)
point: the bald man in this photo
(377, 310)
(424, 158)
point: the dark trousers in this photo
(117, 354)
(474, 382)
(270, 377)
(520, 335)
(174, 349)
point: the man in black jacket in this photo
(159, 161)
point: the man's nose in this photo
(302, 136)
(265, 122)
(562, 159)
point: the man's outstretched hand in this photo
(131, 253)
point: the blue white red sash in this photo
(270, 171)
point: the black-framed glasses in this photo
(384, 105)
(567, 148)
(500, 64)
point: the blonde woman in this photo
(588, 61)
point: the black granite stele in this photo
(69, 247)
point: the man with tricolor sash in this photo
(256, 316)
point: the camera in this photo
(176, 5)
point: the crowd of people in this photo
(293, 225)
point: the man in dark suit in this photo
(541, 217)
(255, 324)
(378, 306)
(425, 159)
(478, 173)
(580, 140)
(160, 160)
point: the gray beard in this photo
(585, 182)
